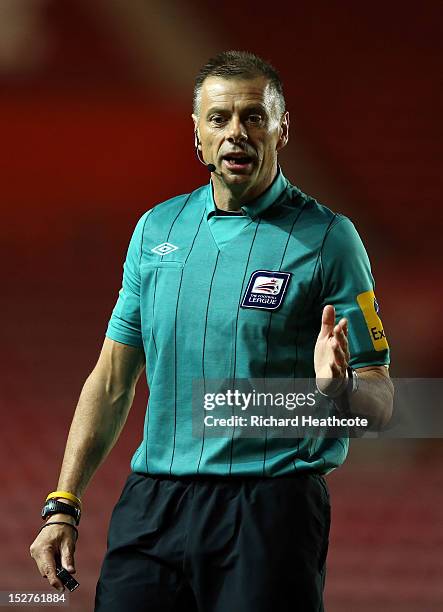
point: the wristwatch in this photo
(352, 381)
(342, 401)
(53, 506)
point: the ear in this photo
(284, 132)
(196, 133)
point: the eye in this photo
(217, 119)
(255, 118)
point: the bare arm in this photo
(101, 413)
(99, 417)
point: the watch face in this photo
(47, 508)
(354, 380)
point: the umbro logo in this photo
(164, 248)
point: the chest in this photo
(263, 270)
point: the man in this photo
(208, 523)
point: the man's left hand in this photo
(331, 353)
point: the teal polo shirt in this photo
(239, 297)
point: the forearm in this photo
(98, 420)
(374, 398)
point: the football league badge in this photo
(266, 290)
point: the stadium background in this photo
(95, 128)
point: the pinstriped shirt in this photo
(191, 298)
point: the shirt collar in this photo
(258, 206)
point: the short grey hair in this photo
(238, 64)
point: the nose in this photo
(236, 131)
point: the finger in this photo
(67, 555)
(341, 338)
(46, 566)
(339, 355)
(327, 320)
(342, 325)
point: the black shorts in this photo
(216, 545)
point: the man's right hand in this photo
(55, 544)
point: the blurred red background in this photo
(95, 128)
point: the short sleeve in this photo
(124, 325)
(348, 285)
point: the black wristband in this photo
(61, 523)
(53, 506)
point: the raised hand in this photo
(331, 353)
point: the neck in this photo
(232, 197)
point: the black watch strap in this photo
(53, 506)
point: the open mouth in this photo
(237, 162)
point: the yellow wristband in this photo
(66, 495)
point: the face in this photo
(240, 131)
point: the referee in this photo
(246, 277)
